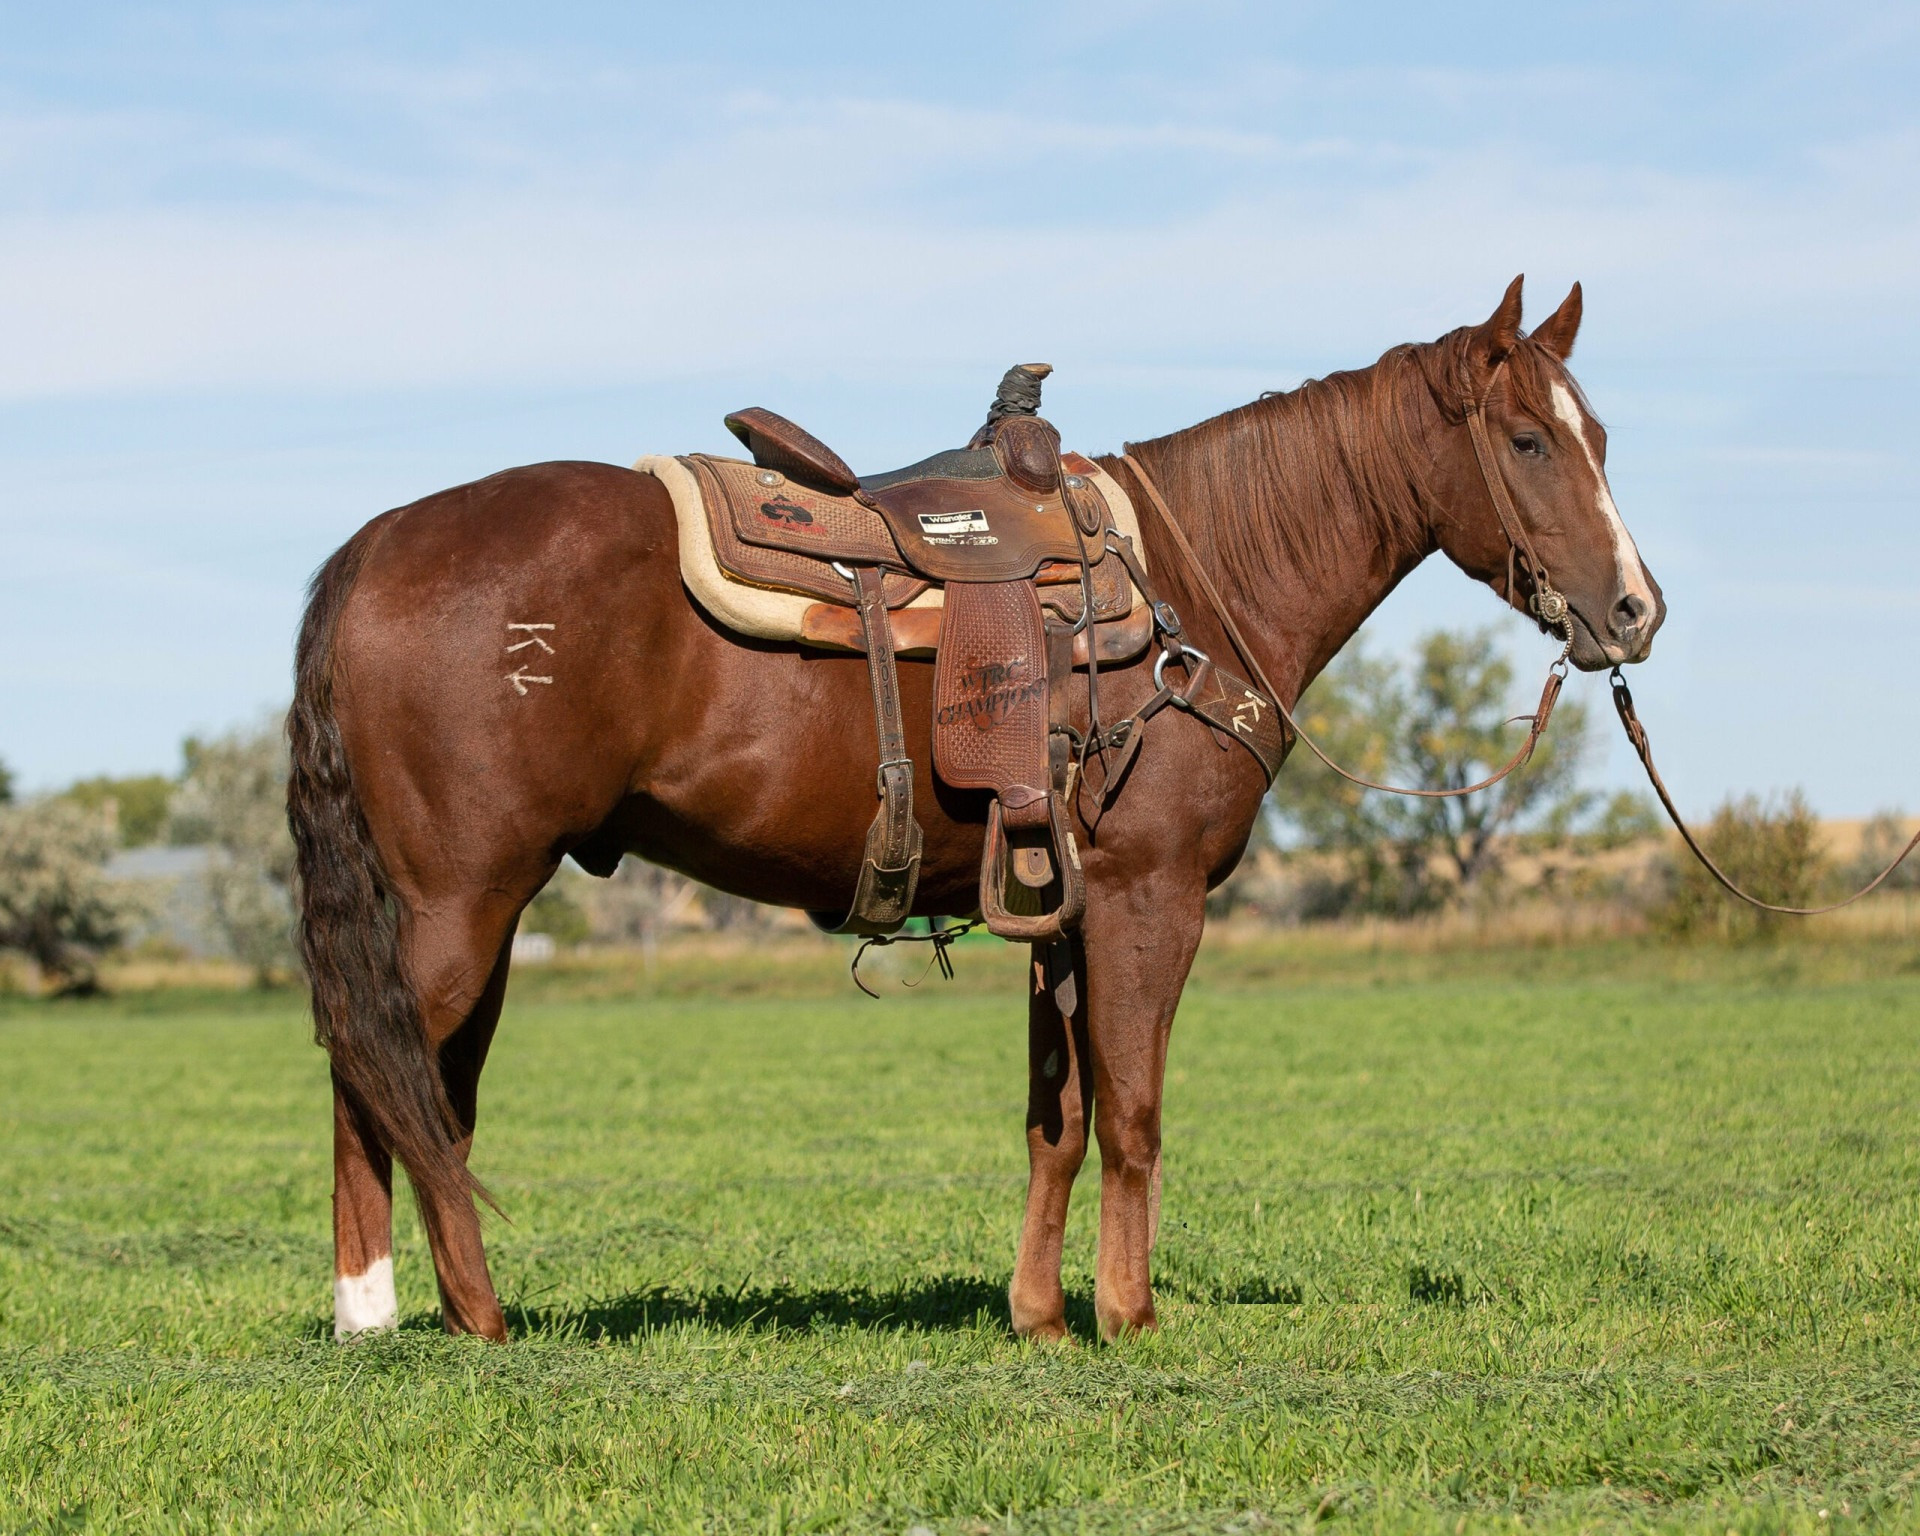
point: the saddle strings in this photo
(1092, 740)
(940, 938)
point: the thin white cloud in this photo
(527, 288)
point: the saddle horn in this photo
(1019, 391)
(1027, 445)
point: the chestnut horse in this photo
(511, 671)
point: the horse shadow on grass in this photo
(944, 1303)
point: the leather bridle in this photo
(1551, 608)
(1544, 601)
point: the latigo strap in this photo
(890, 869)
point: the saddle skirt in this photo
(1007, 561)
(757, 550)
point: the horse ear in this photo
(1501, 333)
(1557, 331)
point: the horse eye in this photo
(1526, 443)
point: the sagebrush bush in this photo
(1770, 848)
(57, 906)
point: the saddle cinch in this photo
(1003, 561)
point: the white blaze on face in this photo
(1625, 553)
(362, 1303)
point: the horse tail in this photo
(366, 1011)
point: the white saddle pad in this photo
(763, 612)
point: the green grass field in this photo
(1448, 1245)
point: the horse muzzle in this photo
(1625, 637)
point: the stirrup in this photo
(1033, 868)
(890, 869)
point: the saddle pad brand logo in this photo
(953, 522)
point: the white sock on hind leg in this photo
(363, 1303)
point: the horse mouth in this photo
(1591, 653)
(1622, 633)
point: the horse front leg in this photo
(1140, 943)
(1059, 1104)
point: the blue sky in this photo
(267, 270)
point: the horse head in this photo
(1544, 448)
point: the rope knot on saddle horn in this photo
(1019, 391)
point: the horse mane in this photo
(1299, 477)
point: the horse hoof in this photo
(1118, 1326)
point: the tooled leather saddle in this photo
(1001, 559)
(1014, 538)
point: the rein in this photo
(1643, 749)
(1546, 603)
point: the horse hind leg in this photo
(363, 1294)
(460, 1022)
(461, 964)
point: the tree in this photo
(57, 905)
(234, 797)
(140, 803)
(639, 903)
(1356, 711)
(6, 785)
(1458, 734)
(1441, 725)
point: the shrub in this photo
(557, 913)
(1770, 849)
(1881, 838)
(141, 804)
(234, 797)
(57, 905)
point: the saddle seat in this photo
(1002, 559)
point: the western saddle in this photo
(1002, 559)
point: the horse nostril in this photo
(1627, 614)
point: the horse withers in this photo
(512, 671)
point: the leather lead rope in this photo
(1549, 692)
(1643, 748)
